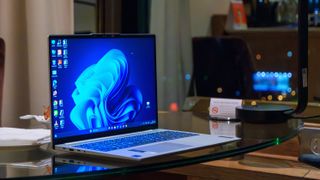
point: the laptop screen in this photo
(101, 84)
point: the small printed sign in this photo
(237, 19)
(224, 108)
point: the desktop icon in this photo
(147, 104)
(55, 93)
(54, 73)
(56, 125)
(61, 123)
(65, 53)
(61, 103)
(53, 52)
(55, 113)
(65, 63)
(59, 52)
(61, 113)
(54, 63)
(55, 104)
(59, 42)
(53, 42)
(59, 62)
(54, 84)
(65, 43)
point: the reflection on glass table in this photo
(46, 163)
(69, 165)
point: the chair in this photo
(2, 49)
(223, 67)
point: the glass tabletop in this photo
(43, 162)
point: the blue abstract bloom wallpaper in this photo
(101, 84)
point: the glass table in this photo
(43, 162)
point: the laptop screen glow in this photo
(101, 84)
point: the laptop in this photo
(104, 99)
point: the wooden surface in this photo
(313, 174)
(248, 167)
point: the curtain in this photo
(25, 26)
(170, 22)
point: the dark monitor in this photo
(223, 68)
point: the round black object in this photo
(264, 113)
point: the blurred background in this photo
(206, 48)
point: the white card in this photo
(224, 108)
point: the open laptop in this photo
(104, 99)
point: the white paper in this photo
(23, 137)
(224, 108)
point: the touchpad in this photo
(161, 147)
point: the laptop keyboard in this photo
(135, 140)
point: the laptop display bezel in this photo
(56, 141)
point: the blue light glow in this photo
(188, 77)
(272, 81)
(290, 54)
(238, 93)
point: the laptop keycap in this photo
(135, 140)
